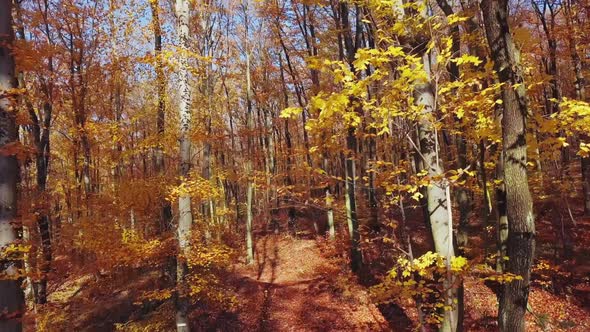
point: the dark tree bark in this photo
(350, 47)
(519, 205)
(548, 23)
(39, 130)
(288, 142)
(166, 212)
(371, 140)
(580, 86)
(463, 195)
(11, 295)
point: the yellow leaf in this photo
(417, 195)
(455, 18)
(467, 58)
(291, 112)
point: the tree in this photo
(41, 118)
(351, 45)
(521, 222)
(250, 140)
(438, 197)
(463, 195)
(166, 214)
(11, 298)
(185, 218)
(579, 87)
(551, 9)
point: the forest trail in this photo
(292, 286)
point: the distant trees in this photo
(148, 142)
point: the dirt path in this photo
(293, 287)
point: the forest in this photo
(294, 165)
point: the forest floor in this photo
(294, 286)
(303, 283)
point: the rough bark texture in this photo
(185, 218)
(519, 206)
(11, 295)
(501, 217)
(586, 184)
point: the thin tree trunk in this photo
(350, 194)
(42, 162)
(551, 69)
(580, 87)
(166, 210)
(288, 153)
(40, 132)
(371, 141)
(250, 146)
(117, 94)
(356, 261)
(299, 93)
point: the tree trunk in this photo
(352, 146)
(438, 198)
(288, 142)
(551, 63)
(519, 205)
(580, 87)
(586, 184)
(329, 199)
(462, 194)
(185, 218)
(353, 227)
(11, 298)
(250, 147)
(40, 132)
(166, 211)
(438, 201)
(551, 69)
(501, 214)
